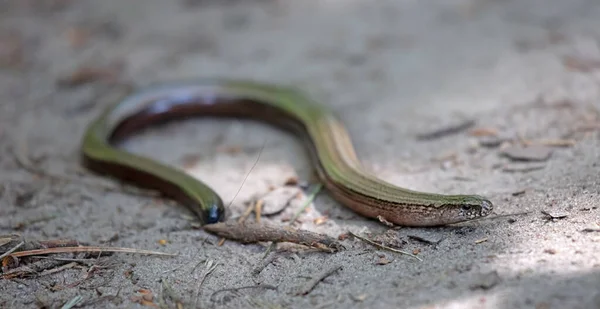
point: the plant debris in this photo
(248, 232)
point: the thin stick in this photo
(310, 285)
(252, 232)
(384, 247)
(13, 249)
(240, 220)
(86, 249)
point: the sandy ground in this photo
(392, 70)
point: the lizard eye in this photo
(466, 207)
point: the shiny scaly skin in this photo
(327, 140)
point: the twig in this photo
(13, 249)
(310, 285)
(253, 232)
(86, 249)
(241, 219)
(384, 247)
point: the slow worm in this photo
(330, 148)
